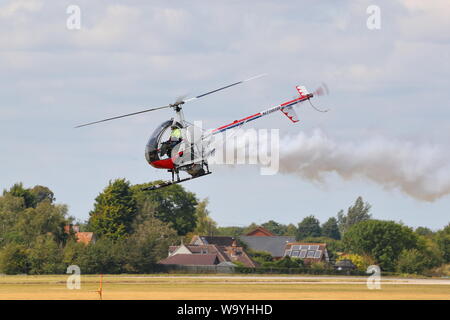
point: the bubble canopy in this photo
(157, 137)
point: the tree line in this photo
(356, 236)
(134, 228)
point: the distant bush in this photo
(360, 261)
(441, 271)
(411, 261)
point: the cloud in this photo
(138, 54)
(426, 21)
(113, 29)
(15, 7)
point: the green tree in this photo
(13, 259)
(443, 241)
(72, 252)
(205, 224)
(275, 227)
(148, 244)
(309, 227)
(330, 229)
(114, 210)
(411, 261)
(285, 262)
(173, 205)
(41, 193)
(232, 231)
(105, 256)
(291, 230)
(260, 257)
(17, 190)
(431, 252)
(10, 209)
(45, 257)
(45, 219)
(382, 240)
(355, 214)
(424, 231)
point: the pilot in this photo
(175, 135)
(175, 138)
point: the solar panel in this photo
(318, 254)
(310, 254)
(314, 247)
(295, 247)
(295, 253)
(287, 253)
(304, 247)
(303, 254)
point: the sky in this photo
(390, 83)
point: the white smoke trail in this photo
(420, 171)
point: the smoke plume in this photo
(420, 171)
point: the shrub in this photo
(13, 259)
(361, 262)
(411, 261)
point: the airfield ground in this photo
(221, 287)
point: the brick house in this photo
(202, 249)
(81, 237)
(261, 239)
(260, 232)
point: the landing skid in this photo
(169, 183)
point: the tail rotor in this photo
(320, 91)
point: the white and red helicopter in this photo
(192, 153)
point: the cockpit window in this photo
(157, 137)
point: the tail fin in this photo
(290, 113)
(302, 91)
(289, 110)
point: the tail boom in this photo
(286, 108)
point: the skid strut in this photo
(169, 183)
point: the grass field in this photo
(220, 287)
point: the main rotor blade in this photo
(226, 87)
(175, 104)
(123, 116)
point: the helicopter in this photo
(191, 152)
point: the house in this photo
(260, 232)
(202, 249)
(308, 252)
(216, 240)
(191, 260)
(85, 237)
(82, 237)
(261, 239)
(69, 227)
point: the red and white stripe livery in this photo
(287, 108)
